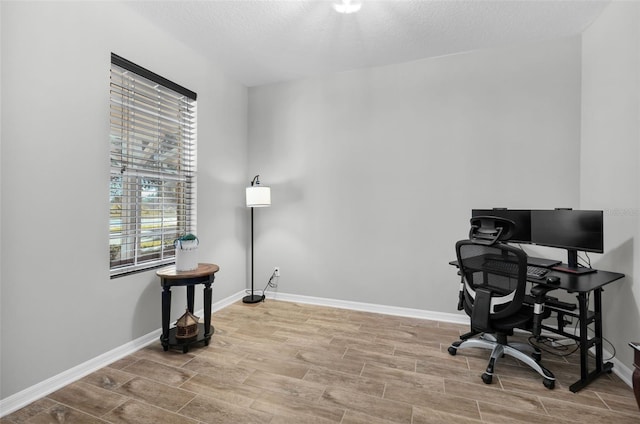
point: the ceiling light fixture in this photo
(347, 6)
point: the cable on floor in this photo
(553, 347)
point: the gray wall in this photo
(59, 307)
(374, 172)
(610, 158)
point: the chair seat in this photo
(522, 320)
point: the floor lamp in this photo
(257, 197)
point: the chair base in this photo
(523, 352)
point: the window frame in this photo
(154, 194)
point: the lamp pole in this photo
(251, 202)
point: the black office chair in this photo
(493, 293)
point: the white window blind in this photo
(153, 167)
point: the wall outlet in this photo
(276, 271)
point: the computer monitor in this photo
(521, 218)
(573, 230)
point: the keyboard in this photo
(512, 268)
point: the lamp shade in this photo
(258, 196)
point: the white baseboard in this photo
(37, 391)
(371, 307)
(621, 370)
(50, 385)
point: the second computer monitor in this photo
(569, 229)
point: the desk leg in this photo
(597, 304)
(583, 313)
(166, 314)
(601, 366)
(207, 313)
(583, 304)
(585, 376)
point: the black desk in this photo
(582, 285)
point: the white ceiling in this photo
(260, 42)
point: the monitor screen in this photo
(521, 217)
(568, 229)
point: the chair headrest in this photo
(488, 230)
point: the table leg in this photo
(166, 315)
(190, 297)
(207, 312)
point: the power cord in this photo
(604, 339)
(587, 260)
(271, 283)
(557, 346)
(553, 347)
(575, 330)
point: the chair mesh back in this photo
(499, 268)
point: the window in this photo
(152, 198)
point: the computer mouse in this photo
(553, 280)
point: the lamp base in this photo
(253, 298)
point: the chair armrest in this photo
(461, 292)
(539, 293)
(481, 311)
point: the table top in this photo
(580, 283)
(170, 273)
(584, 283)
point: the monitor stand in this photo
(571, 266)
(542, 262)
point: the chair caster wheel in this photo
(549, 384)
(487, 378)
(452, 351)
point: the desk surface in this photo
(578, 283)
(583, 283)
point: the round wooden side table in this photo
(169, 277)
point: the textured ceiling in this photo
(260, 42)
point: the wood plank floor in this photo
(281, 362)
